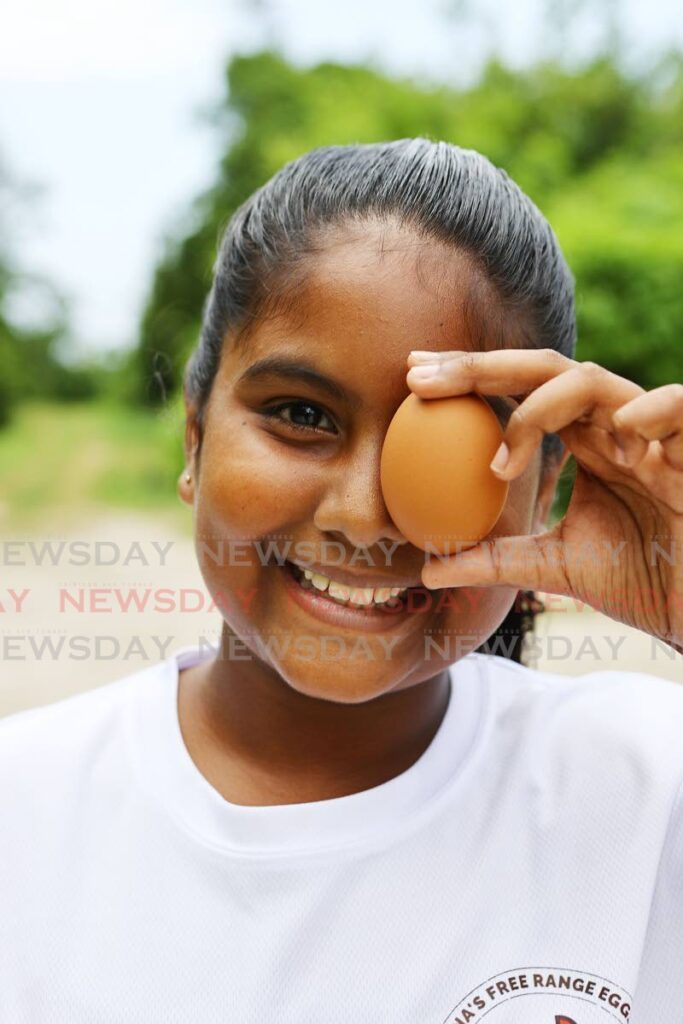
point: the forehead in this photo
(399, 284)
(369, 293)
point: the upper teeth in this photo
(358, 595)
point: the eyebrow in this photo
(299, 370)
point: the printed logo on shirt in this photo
(543, 995)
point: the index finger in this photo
(515, 371)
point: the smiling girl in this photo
(351, 810)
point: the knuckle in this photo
(554, 358)
(591, 369)
(469, 361)
(496, 561)
(517, 418)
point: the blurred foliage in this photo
(31, 367)
(112, 457)
(598, 151)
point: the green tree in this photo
(596, 149)
(31, 367)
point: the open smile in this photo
(374, 618)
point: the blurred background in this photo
(129, 134)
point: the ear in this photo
(546, 492)
(191, 445)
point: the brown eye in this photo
(307, 411)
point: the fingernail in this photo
(500, 459)
(424, 372)
(621, 456)
(422, 355)
(621, 452)
(432, 585)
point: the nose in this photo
(352, 504)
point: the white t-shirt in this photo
(526, 869)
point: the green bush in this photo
(621, 228)
(598, 151)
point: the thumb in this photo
(528, 562)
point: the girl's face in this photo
(289, 470)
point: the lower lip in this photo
(371, 620)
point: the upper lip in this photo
(350, 579)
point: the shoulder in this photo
(617, 694)
(53, 746)
(626, 716)
(69, 783)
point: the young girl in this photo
(351, 810)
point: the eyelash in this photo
(273, 414)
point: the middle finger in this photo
(584, 396)
(565, 392)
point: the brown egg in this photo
(435, 475)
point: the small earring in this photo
(188, 477)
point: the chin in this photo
(341, 683)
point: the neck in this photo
(259, 742)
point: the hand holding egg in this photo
(627, 495)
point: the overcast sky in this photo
(101, 104)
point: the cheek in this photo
(251, 487)
(249, 491)
(240, 498)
